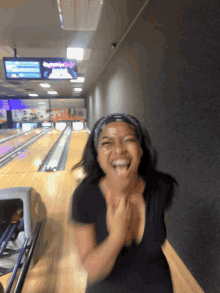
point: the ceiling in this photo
(34, 29)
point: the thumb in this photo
(108, 197)
(109, 202)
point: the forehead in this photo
(119, 128)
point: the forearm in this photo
(100, 262)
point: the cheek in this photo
(134, 151)
(136, 154)
(106, 151)
(103, 156)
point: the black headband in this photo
(114, 118)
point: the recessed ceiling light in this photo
(52, 93)
(79, 79)
(77, 89)
(45, 85)
(33, 95)
(75, 53)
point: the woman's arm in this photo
(100, 261)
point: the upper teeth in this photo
(121, 162)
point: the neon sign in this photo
(59, 64)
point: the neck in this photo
(129, 189)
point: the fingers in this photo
(110, 202)
(117, 202)
(123, 204)
(108, 196)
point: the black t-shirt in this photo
(89, 206)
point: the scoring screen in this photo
(59, 69)
(23, 69)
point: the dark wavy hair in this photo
(147, 169)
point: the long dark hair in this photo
(147, 169)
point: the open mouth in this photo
(122, 170)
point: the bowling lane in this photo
(57, 269)
(8, 146)
(77, 142)
(43, 276)
(9, 133)
(31, 158)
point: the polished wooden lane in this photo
(31, 158)
(44, 276)
(56, 189)
(58, 269)
(77, 144)
(9, 133)
(183, 280)
(6, 146)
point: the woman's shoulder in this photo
(166, 188)
(84, 187)
(82, 204)
(164, 179)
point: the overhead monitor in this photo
(22, 68)
(40, 68)
(59, 68)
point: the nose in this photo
(119, 147)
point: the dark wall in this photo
(166, 73)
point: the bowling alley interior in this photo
(64, 64)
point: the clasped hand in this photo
(118, 216)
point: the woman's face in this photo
(116, 142)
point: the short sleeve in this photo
(80, 204)
(170, 196)
(169, 182)
(166, 185)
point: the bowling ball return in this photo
(22, 214)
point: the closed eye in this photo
(104, 143)
(125, 141)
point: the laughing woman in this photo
(118, 210)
